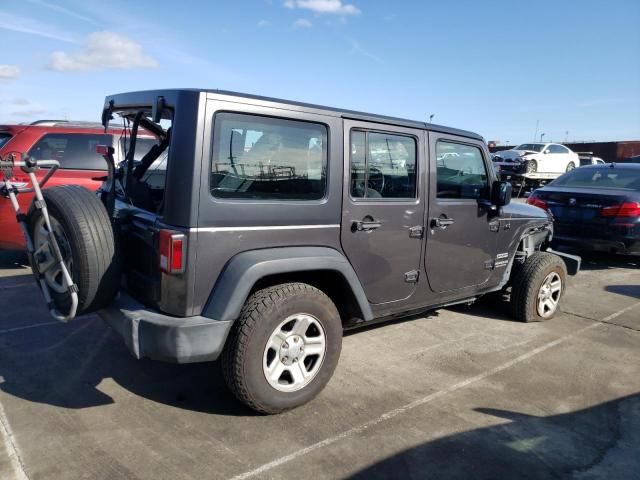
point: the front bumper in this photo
(150, 334)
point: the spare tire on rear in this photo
(85, 235)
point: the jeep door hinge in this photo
(412, 276)
(416, 232)
(494, 227)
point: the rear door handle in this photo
(366, 226)
(442, 222)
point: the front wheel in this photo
(284, 348)
(537, 287)
(531, 166)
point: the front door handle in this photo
(366, 226)
(442, 222)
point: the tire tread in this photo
(524, 287)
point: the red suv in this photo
(73, 144)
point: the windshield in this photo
(605, 177)
(535, 147)
(4, 138)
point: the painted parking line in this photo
(421, 401)
(8, 440)
(27, 327)
(18, 285)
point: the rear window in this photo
(605, 177)
(4, 138)
(267, 158)
(73, 150)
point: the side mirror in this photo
(500, 193)
(545, 152)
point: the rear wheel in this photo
(84, 234)
(570, 166)
(284, 347)
(537, 287)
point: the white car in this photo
(541, 157)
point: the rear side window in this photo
(4, 138)
(268, 158)
(73, 150)
(461, 171)
(383, 165)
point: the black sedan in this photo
(595, 207)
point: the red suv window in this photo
(73, 150)
(4, 138)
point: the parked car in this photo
(73, 145)
(588, 158)
(538, 158)
(634, 159)
(274, 225)
(595, 207)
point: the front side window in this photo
(267, 158)
(73, 150)
(461, 171)
(383, 165)
(557, 149)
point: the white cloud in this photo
(20, 24)
(20, 101)
(302, 23)
(264, 23)
(103, 51)
(324, 6)
(8, 73)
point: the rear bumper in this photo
(614, 245)
(149, 334)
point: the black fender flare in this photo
(243, 271)
(537, 231)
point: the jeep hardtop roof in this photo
(148, 97)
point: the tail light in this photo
(172, 249)
(626, 209)
(536, 202)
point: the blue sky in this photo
(495, 67)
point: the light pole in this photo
(431, 117)
(541, 135)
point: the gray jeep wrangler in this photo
(256, 230)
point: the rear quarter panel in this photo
(228, 227)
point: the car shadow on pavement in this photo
(72, 365)
(597, 442)
(632, 291)
(13, 260)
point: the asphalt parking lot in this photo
(463, 392)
